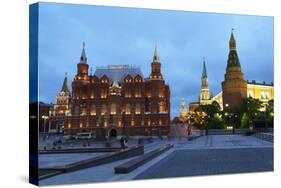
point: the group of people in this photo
(123, 142)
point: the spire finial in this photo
(65, 85)
(232, 42)
(155, 56)
(83, 54)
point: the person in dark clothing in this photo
(122, 142)
(125, 142)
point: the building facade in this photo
(234, 87)
(262, 91)
(61, 109)
(119, 99)
(205, 95)
(183, 111)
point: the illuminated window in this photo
(69, 125)
(92, 95)
(162, 106)
(103, 93)
(138, 109)
(128, 109)
(119, 123)
(263, 95)
(250, 94)
(113, 109)
(160, 122)
(137, 92)
(81, 125)
(103, 109)
(84, 111)
(266, 95)
(93, 110)
(128, 93)
(132, 122)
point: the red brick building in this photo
(234, 87)
(119, 99)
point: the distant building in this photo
(117, 98)
(205, 94)
(234, 87)
(183, 110)
(61, 109)
(262, 91)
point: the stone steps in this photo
(137, 162)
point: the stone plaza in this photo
(205, 155)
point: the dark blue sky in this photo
(128, 36)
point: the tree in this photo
(251, 107)
(216, 122)
(211, 116)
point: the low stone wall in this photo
(135, 163)
(95, 161)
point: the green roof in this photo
(204, 73)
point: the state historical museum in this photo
(117, 98)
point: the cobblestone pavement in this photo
(211, 162)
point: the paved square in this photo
(195, 162)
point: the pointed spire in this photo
(65, 85)
(204, 73)
(155, 56)
(233, 59)
(83, 57)
(232, 42)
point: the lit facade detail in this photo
(121, 96)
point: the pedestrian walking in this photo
(122, 143)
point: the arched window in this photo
(113, 109)
(128, 109)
